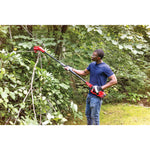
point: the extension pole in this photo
(38, 48)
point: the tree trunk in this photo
(29, 27)
(59, 46)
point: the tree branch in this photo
(28, 31)
(22, 102)
(30, 90)
(10, 33)
(33, 74)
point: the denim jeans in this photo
(93, 105)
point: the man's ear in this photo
(99, 58)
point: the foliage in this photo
(51, 98)
(55, 91)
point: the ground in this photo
(119, 114)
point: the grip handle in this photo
(100, 94)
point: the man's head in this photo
(98, 54)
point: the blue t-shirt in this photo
(99, 73)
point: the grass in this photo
(124, 114)
(118, 114)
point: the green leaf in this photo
(1, 90)
(6, 90)
(114, 42)
(46, 122)
(64, 86)
(4, 95)
(25, 92)
(22, 37)
(74, 107)
(49, 116)
(4, 31)
(139, 46)
(134, 52)
(120, 47)
(128, 47)
(12, 95)
(22, 105)
(2, 72)
(1, 101)
(20, 94)
(99, 31)
(123, 36)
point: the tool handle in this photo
(100, 94)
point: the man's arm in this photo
(113, 81)
(81, 72)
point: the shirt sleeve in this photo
(108, 71)
(88, 68)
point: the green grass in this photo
(124, 114)
(118, 114)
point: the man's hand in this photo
(97, 89)
(68, 68)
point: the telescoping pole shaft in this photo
(39, 48)
(65, 66)
(55, 59)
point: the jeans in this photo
(93, 105)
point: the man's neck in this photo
(99, 62)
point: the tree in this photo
(61, 29)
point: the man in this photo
(99, 73)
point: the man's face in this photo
(95, 56)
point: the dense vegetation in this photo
(36, 90)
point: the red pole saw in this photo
(100, 94)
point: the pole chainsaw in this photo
(100, 94)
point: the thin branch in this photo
(33, 74)
(40, 91)
(10, 33)
(22, 102)
(7, 120)
(27, 31)
(23, 51)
